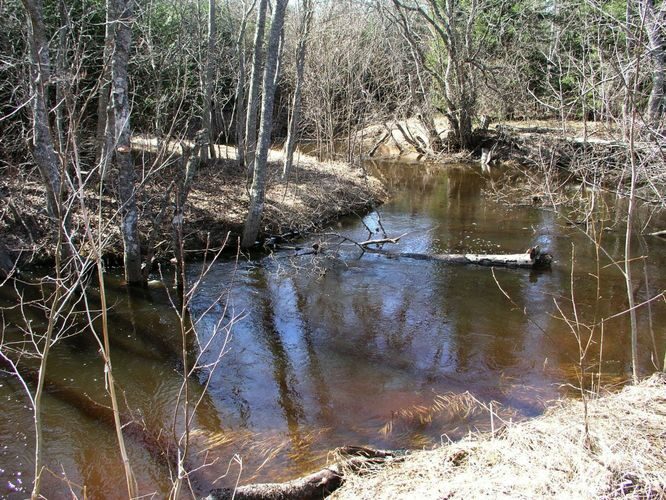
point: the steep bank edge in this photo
(315, 194)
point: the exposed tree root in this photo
(315, 485)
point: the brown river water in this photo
(302, 355)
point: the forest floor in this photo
(617, 452)
(315, 195)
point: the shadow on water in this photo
(316, 352)
(355, 346)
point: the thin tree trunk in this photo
(653, 26)
(240, 113)
(208, 150)
(104, 132)
(630, 224)
(258, 189)
(190, 158)
(253, 97)
(294, 120)
(627, 267)
(43, 150)
(54, 313)
(628, 75)
(123, 154)
(241, 110)
(61, 61)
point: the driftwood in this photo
(381, 141)
(313, 486)
(534, 258)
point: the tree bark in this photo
(104, 90)
(191, 159)
(533, 258)
(43, 150)
(122, 11)
(258, 189)
(654, 24)
(294, 119)
(519, 260)
(61, 69)
(457, 84)
(253, 97)
(208, 150)
(104, 135)
(241, 110)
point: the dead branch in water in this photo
(533, 258)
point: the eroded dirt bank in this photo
(314, 194)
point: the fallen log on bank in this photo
(313, 486)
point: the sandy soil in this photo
(375, 139)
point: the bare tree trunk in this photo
(190, 158)
(294, 119)
(104, 133)
(241, 111)
(258, 189)
(253, 97)
(61, 62)
(43, 150)
(457, 83)
(628, 74)
(208, 150)
(126, 177)
(654, 24)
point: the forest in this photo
(180, 175)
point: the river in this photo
(299, 355)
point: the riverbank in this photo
(594, 155)
(404, 138)
(620, 456)
(315, 194)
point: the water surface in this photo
(300, 355)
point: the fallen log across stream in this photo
(533, 258)
(316, 485)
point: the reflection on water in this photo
(305, 354)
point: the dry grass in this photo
(458, 412)
(623, 456)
